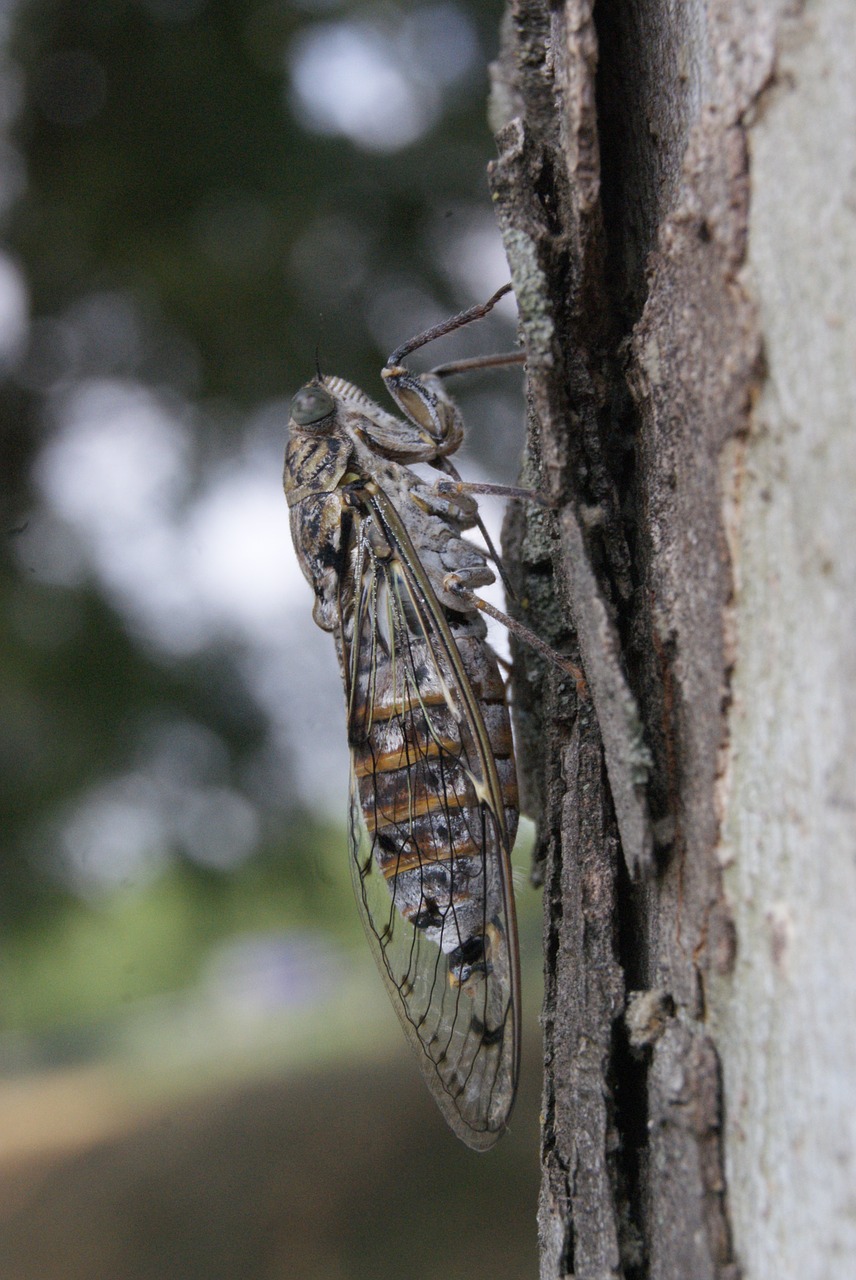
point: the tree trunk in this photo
(676, 185)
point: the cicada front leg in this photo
(427, 403)
(423, 396)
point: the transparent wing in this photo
(429, 838)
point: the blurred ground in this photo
(329, 1174)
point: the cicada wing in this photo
(430, 847)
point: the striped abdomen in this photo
(424, 790)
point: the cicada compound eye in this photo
(311, 406)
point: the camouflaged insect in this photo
(434, 806)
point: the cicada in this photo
(434, 804)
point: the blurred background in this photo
(200, 1075)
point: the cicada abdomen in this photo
(434, 794)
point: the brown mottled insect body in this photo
(434, 805)
(416, 793)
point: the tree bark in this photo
(676, 186)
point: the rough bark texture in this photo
(662, 169)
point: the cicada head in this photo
(313, 409)
(317, 455)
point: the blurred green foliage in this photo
(91, 960)
(194, 187)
